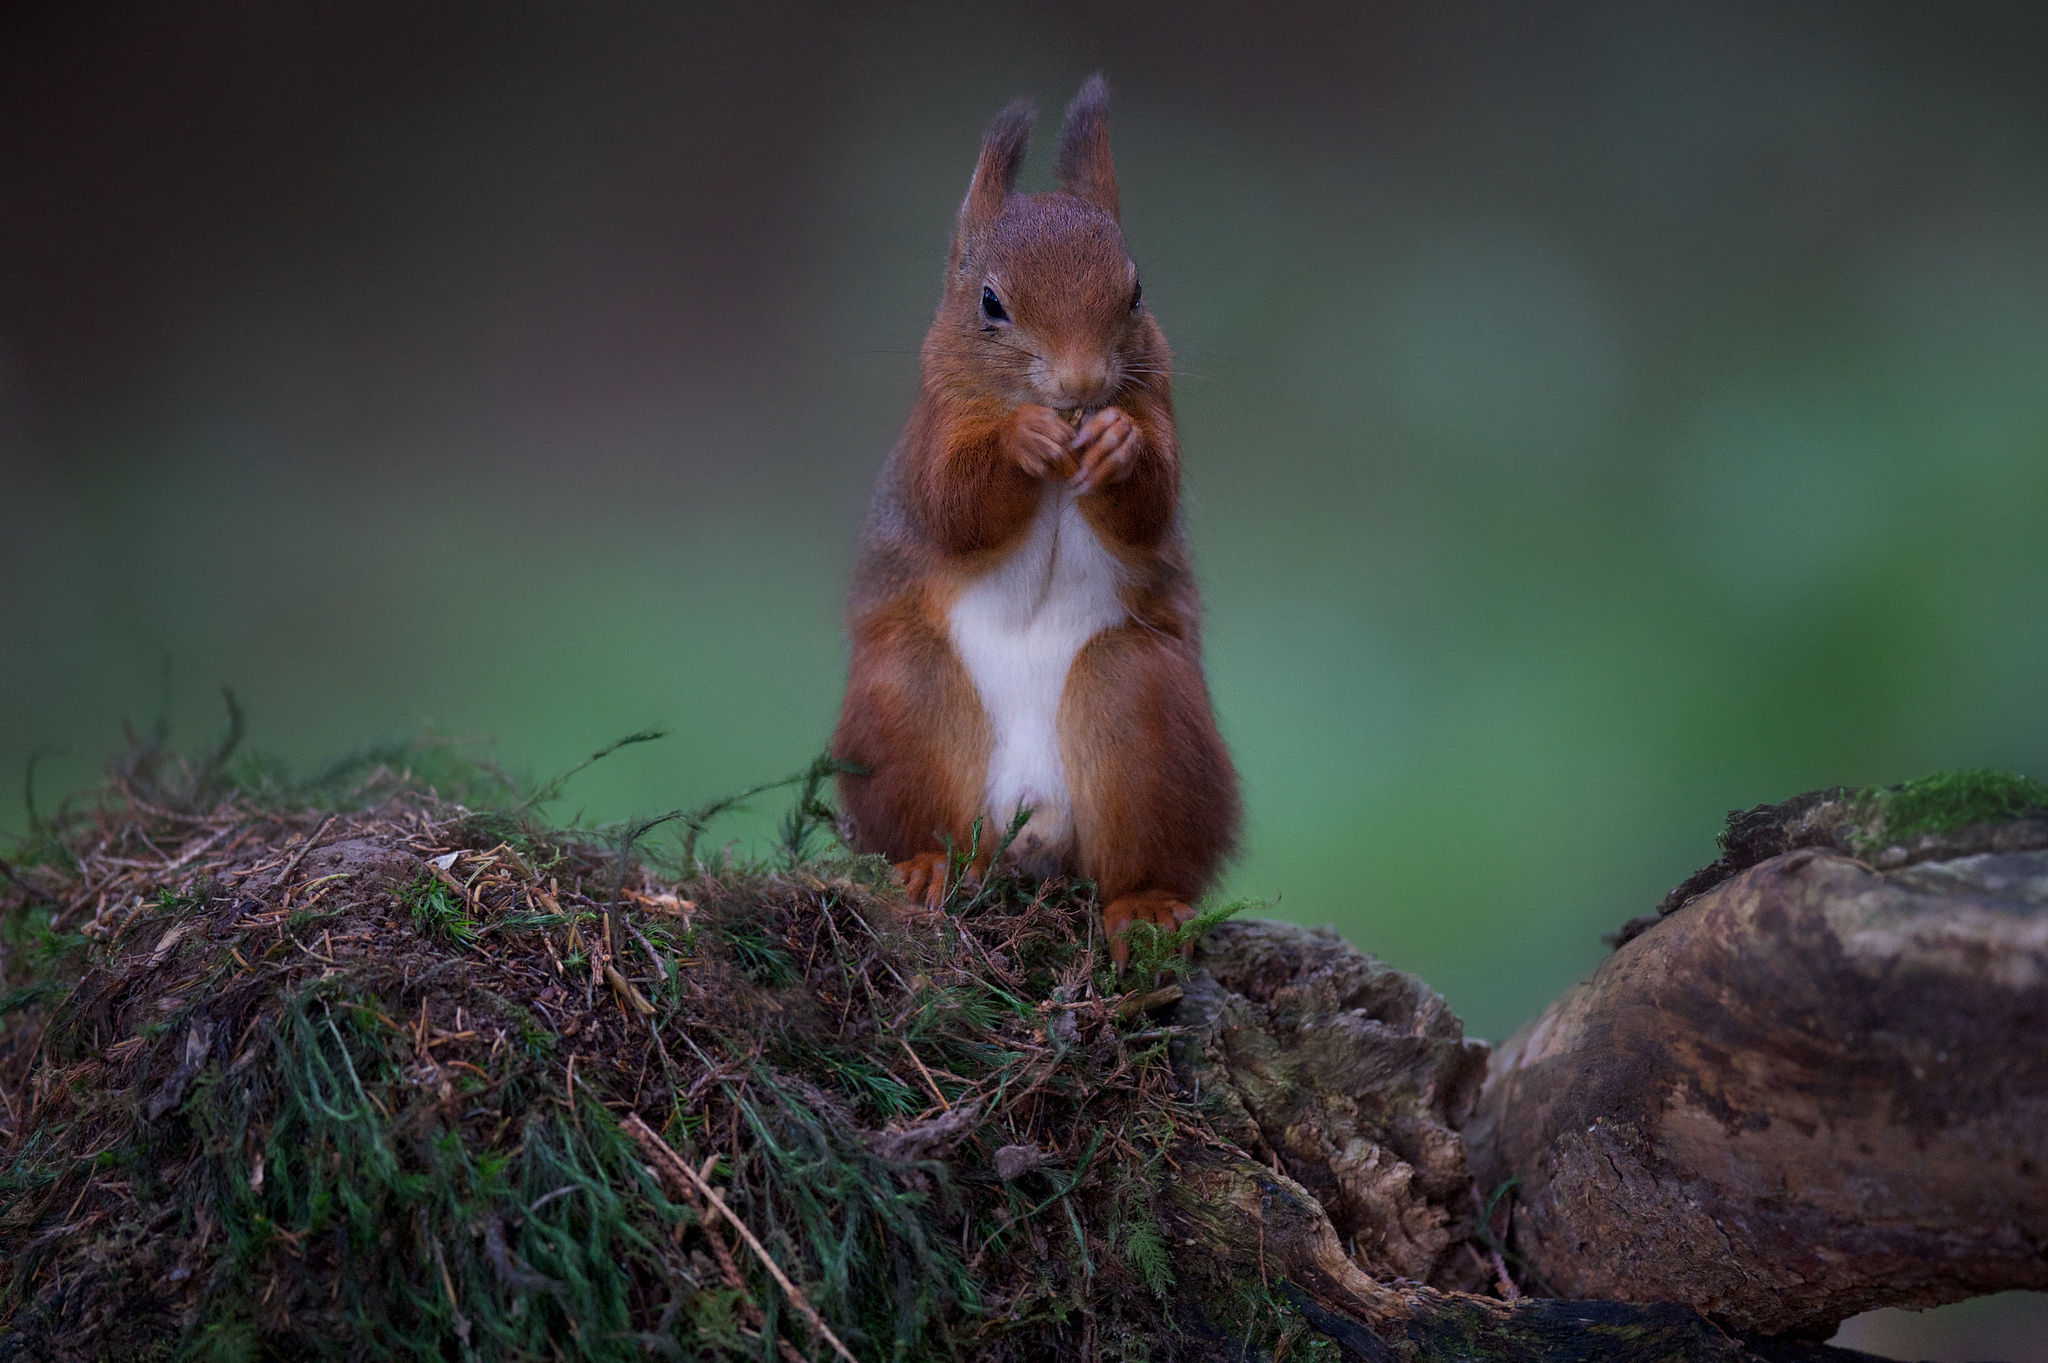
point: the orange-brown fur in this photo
(1154, 795)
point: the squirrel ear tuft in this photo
(1084, 169)
(995, 173)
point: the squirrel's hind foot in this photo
(1157, 907)
(925, 877)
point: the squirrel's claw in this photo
(924, 877)
(1107, 446)
(1037, 439)
(1156, 907)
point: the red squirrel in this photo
(1024, 618)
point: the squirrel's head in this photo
(1042, 301)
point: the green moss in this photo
(1157, 951)
(1261, 1320)
(1951, 800)
(233, 1341)
(1140, 1238)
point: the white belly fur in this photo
(1017, 628)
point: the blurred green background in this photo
(1597, 416)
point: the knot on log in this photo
(1350, 1077)
(1814, 1090)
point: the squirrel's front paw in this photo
(1106, 446)
(1037, 439)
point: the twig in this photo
(929, 1081)
(1136, 1003)
(660, 970)
(462, 891)
(623, 987)
(292, 866)
(461, 1321)
(727, 1269)
(186, 857)
(654, 1145)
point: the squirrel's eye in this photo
(1137, 294)
(992, 306)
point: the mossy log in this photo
(1815, 1089)
(381, 1081)
(1337, 1084)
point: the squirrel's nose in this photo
(1080, 381)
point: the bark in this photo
(1257, 1225)
(1350, 1076)
(1340, 1183)
(1813, 1090)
